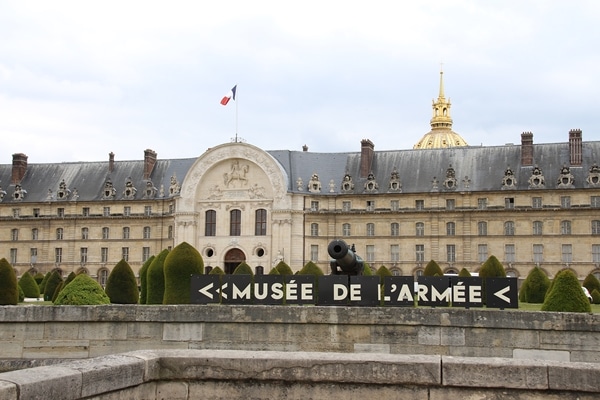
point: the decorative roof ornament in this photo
(331, 186)
(537, 180)
(566, 178)
(371, 185)
(395, 184)
(150, 191)
(435, 184)
(130, 190)
(593, 178)
(174, 188)
(450, 181)
(314, 185)
(2, 194)
(509, 181)
(63, 191)
(109, 192)
(299, 184)
(347, 183)
(19, 193)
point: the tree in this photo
(29, 286)
(82, 290)
(53, 281)
(39, 277)
(144, 280)
(274, 271)
(433, 269)
(464, 273)
(283, 268)
(121, 285)
(44, 281)
(310, 268)
(243, 269)
(535, 286)
(492, 268)
(591, 283)
(216, 271)
(382, 272)
(566, 294)
(156, 279)
(181, 263)
(9, 288)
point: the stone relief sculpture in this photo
(237, 174)
(593, 178)
(174, 188)
(314, 186)
(256, 192)
(450, 181)
(566, 178)
(537, 180)
(509, 181)
(63, 191)
(109, 191)
(371, 185)
(395, 184)
(130, 190)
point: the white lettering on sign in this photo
(475, 294)
(444, 295)
(340, 292)
(291, 290)
(500, 294)
(458, 293)
(277, 291)
(422, 292)
(206, 291)
(355, 292)
(241, 294)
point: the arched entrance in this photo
(233, 258)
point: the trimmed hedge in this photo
(566, 294)
(284, 269)
(155, 279)
(121, 285)
(433, 269)
(9, 288)
(81, 291)
(53, 281)
(310, 268)
(216, 271)
(243, 269)
(29, 286)
(144, 279)
(464, 273)
(181, 263)
(535, 286)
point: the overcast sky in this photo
(81, 79)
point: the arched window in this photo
(235, 223)
(260, 224)
(420, 229)
(210, 223)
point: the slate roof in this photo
(484, 167)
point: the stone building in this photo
(528, 204)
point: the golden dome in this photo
(441, 134)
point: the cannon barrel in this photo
(345, 261)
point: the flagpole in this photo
(236, 114)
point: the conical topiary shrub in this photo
(591, 283)
(274, 271)
(44, 281)
(535, 286)
(492, 268)
(181, 263)
(566, 294)
(59, 287)
(595, 296)
(216, 271)
(21, 294)
(310, 268)
(29, 286)
(243, 269)
(39, 277)
(155, 279)
(51, 284)
(144, 280)
(433, 269)
(82, 290)
(284, 269)
(9, 288)
(121, 285)
(367, 270)
(382, 272)
(464, 273)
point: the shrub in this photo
(284, 269)
(155, 279)
(59, 287)
(144, 280)
(566, 294)
(70, 278)
(29, 286)
(310, 268)
(44, 281)
(367, 271)
(9, 288)
(591, 283)
(181, 263)
(382, 272)
(39, 277)
(216, 271)
(273, 271)
(492, 268)
(243, 269)
(53, 281)
(596, 296)
(433, 269)
(121, 285)
(535, 286)
(464, 273)
(21, 294)
(82, 290)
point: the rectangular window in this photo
(565, 201)
(13, 256)
(346, 230)
(147, 211)
(83, 253)
(482, 228)
(57, 255)
(536, 202)
(126, 233)
(482, 203)
(125, 253)
(106, 212)
(86, 211)
(420, 253)
(314, 229)
(59, 234)
(370, 229)
(314, 252)
(567, 253)
(210, 225)
(420, 229)
(595, 201)
(370, 253)
(104, 254)
(370, 205)
(16, 212)
(146, 232)
(450, 204)
(346, 206)
(14, 234)
(314, 206)
(260, 227)
(395, 253)
(450, 229)
(60, 212)
(565, 227)
(596, 253)
(450, 253)
(85, 232)
(420, 204)
(171, 208)
(235, 223)
(509, 253)
(538, 253)
(126, 211)
(105, 233)
(33, 255)
(394, 205)
(34, 234)
(482, 253)
(509, 202)
(395, 229)
(36, 212)
(538, 228)
(596, 227)
(145, 254)
(170, 232)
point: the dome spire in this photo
(441, 95)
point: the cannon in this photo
(345, 261)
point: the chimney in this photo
(111, 162)
(526, 148)
(149, 161)
(575, 147)
(366, 157)
(305, 148)
(19, 167)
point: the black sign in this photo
(466, 292)
(399, 291)
(501, 293)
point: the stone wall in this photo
(219, 374)
(73, 332)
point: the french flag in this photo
(229, 96)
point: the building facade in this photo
(527, 204)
